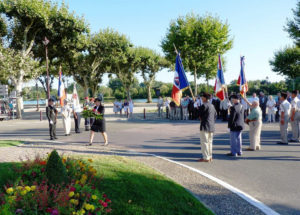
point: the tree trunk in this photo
(19, 101)
(149, 95)
(128, 93)
(195, 83)
(86, 91)
(207, 85)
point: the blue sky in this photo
(256, 26)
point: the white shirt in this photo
(285, 107)
(251, 100)
(167, 103)
(296, 104)
(131, 104)
(271, 103)
(76, 108)
(245, 105)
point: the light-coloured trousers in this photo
(284, 130)
(295, 126)
(67, 125)
(172, 114)
(185, 113)
(178, 110)
(160, 111)
(254, 134)
(271, 115)
(206, 139)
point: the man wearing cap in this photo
(236, 126)
(295, 117)
(284, 112)
(51, 113)
(207, 127)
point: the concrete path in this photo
(271, 175)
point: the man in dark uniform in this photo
(51, 113)
(216, 104)
(191, 109)
(207, 127)
(263, 104)
(236, 126)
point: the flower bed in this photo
(55, 186)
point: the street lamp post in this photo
(37, 97)
(46, 42)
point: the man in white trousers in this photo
(284, 111)
(254, 120)
(295, 117)
(208, 117)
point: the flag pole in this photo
(189, 84)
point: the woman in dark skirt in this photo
(99, 124)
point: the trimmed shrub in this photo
(55, 170)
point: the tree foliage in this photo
(199, 40)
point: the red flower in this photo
(73, 189)
(107, 200)
(49, 210)
(104, 195)
(108, 210)
(43, 163)
(100, 201)
(43, 169)
(104, 204)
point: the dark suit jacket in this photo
(207, 117)
(51, 113)
(236, 118)
(263, 104)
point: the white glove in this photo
(51, 122)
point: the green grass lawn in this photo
(133, 188)
(7, 143)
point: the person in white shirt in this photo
(131, 106)
(160, 104)
(166, 104)
(77, 116)
(66, 117)
(271, 103)
(116, 107)
(295, 117)
(285, 108)
(254, 98)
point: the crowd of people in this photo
(127, 106)
(288, 111)
(91, 124)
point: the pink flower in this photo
(107, 200)
(104, 204)
(72, 189)
(54, 212)
(104, 195)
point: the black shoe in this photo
(239, 154)
(294, 141)
(51, 138)
(231, 155)
(66, 135)
(78, 132)
(55, 138)
(281, 143)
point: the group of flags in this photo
(181, 82)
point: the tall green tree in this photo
(287, 61)
(27, 23)
(199, 40)
(150, 64)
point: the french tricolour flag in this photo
(242, 82)
(220, 82)
(180, 81)
(61, 89)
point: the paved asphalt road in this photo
(271, 175)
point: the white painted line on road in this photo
(256, 203)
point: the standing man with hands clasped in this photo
(51, 113)
(208, 116)
(284, 112)
(236, 126)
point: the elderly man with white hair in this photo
(254, 120)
